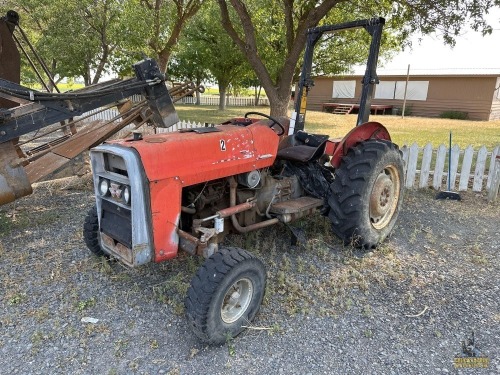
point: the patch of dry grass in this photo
(403, 131)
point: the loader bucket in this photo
(14, 182)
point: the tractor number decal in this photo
(222, 145)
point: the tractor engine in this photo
(259, 187)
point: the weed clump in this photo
(454, 115)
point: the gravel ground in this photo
(403, 309)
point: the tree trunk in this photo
(163, 57)
(222, 98)
(278, 91)
(279, 104)
(198, 94)
(86, 77)
(257, 95)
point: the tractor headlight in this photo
(126, 195)
(103, 187)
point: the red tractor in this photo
(187, 189)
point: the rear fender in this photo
(361, 133)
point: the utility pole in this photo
(406, 89)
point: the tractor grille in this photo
(116, 222)
(122, 199)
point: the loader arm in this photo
(40, 109)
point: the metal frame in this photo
(41, 109)
(374, 27)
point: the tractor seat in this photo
(302, 147)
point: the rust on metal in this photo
(55, 157)
(118, 249)
(14, 182)
(226, 212)
(188, 243)
(44, 166)
(10, 60)
(296, 205)
(234, 220)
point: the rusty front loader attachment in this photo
(14, 182)
(25, 111)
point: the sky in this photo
(471, 52)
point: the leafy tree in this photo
(89, 37)
(272, 33)
(153, 27)
(77, 38)
(188, 65)
(207, 48)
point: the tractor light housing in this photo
(103, 187)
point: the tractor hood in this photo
(197, 155)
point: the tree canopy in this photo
(272, 34)
(228, 38)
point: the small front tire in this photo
(91, 232)
(225, 295)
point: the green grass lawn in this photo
(403, 131)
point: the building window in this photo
(385, 90)
(497, 87)
(343, 89)
(417, 90)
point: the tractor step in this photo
(294, 206)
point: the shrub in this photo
(397, 111)
(455, 115)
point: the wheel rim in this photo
(236, 300)
(384, 197)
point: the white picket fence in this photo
(469, 169)
(231, 101)
(111, 113)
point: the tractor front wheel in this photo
(367, 193)
(91, 232)
(225, 295)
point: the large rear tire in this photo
(91, 232)
(225, 295)
(367, 193)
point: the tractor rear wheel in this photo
(91, 232)
(225, 295)
(367, 193)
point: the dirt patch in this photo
(404, 308)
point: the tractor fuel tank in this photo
(197, 155)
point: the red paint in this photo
(330, 146)
(363, 132)
(196, 158)
(165, 212)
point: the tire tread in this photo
(351, 177)
(205, 282)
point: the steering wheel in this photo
(275, 122)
